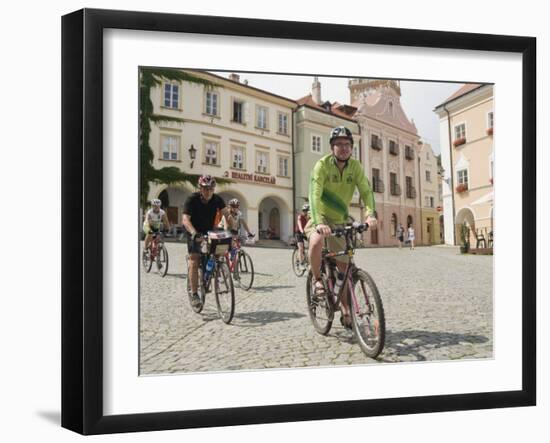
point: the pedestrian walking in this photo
(410, 236)
(400, 232)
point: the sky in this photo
(418, 98)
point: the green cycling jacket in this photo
(331, 192)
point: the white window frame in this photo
(259, 111)
(460, 181)
(282, 164)
(173, 148)
(171, 99)
(456, 127)
(262, 167)
(209, 159)
(320, 144)
(214, 106)
(238, 150)
(282, 122)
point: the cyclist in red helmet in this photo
(200, 213)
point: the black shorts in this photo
(299, 237)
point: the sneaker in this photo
(195, 300)
(345, 320)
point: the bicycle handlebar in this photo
(350, 227)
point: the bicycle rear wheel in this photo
(162, 261)
(200, 290)
(225, 293)
(244, 271)
(319, 309)
(296, 266)
(367, 314)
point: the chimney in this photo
(234, 77)
(316, 90)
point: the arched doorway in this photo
(409, 220)
(275, 223)
(173, 199)
(465, 216)
(274, 219)
(393, 225)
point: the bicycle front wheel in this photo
(146, 260)
(319, 308)
(298, 269)
(367, 314)
(225, 293)
(200, 291)
(244, 271)
(162, 261)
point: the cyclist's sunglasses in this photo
(208, 188)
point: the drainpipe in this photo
(293, 172)
(420, 194)
(452, 172)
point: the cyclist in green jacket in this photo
(332, 184)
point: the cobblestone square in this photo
(438, 305)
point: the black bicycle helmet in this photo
(339, 132)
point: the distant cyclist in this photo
(153, 219)
(301, 223)
(333, 181)
(201, 213)
(238, 219)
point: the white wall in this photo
(30, 314)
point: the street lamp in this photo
(192, 154)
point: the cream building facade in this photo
(234, 131)
(467, 148)
(390, 141)
(430, 196)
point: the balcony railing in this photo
(377, 185)
(411, 192)
(395, 189)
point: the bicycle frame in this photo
(232, 262)
(328, 257)
(154, 247)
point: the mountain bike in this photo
(240, 264)
(364, 301)
(156, 253)
(214, 272)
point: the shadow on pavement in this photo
(270, 288)
(414, 343)
(261, 318)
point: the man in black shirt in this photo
(199, 216)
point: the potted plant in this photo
(464, 238)
(462, 187)
(459, 141)
(489, 131)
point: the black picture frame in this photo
(82, 230)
